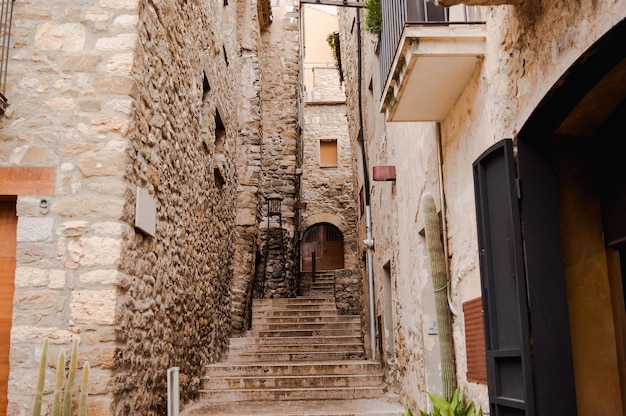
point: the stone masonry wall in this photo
(248, 164)
(69, 86)
(111, 94)
(174, 308)
(329, 191)
(280, 94)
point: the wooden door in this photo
(8, 229)
(323, 242)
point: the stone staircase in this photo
(300, 358)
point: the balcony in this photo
(427, 56)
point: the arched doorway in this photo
(322, 248)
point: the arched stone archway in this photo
(322, 248)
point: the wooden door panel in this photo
(8, 229)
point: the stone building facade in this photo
(328, 187)
(269, 158)
(136, 154)
(538, 80)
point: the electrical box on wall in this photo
(145, 212)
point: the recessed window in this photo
(328, 153)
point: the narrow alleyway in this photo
(300, 358)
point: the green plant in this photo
(454, 407)
(330, 39)
(439, 276)
(62, 403)
(41, 378)
(373, 17)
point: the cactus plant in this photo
(71, 375)
(62, 403)
(82, 404)
(58, 385)
(41, 378)
(439, 276)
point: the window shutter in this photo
(475, 341)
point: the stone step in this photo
(313, 326)
(336, 393)
(277, 341)
(305, 318)
(297, 312)
(362, 407)
(300, 300)
(242, 356)
(295, 307)
(293, 368)
(318, 332)
(290, 382)
(296, 347)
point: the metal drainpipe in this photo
(366, 185)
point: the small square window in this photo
(328, 153)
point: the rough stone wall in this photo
(69, 86)
(174, 310)
(248, 164)
(279, 65)
(528, 49)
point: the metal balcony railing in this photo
(397, 13)
(6, 21)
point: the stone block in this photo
(83, 62)
(31, 277)
(33, 300)
(57, 279)
(121, 63)
(103, 164)
(95, 251)
(114, 84)
(120, 4)
(34, 229)
(100, 277)
(125, 41)
(93, 306)
(68, 37)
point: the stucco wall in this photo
(528, 47)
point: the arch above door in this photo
(322, 248)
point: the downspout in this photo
(369, 242)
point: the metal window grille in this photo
(6, 21)
(397, 13)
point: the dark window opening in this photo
(206, 86)
(225, 55)
(220, 133)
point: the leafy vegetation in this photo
(443, 407)
(373, 17)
